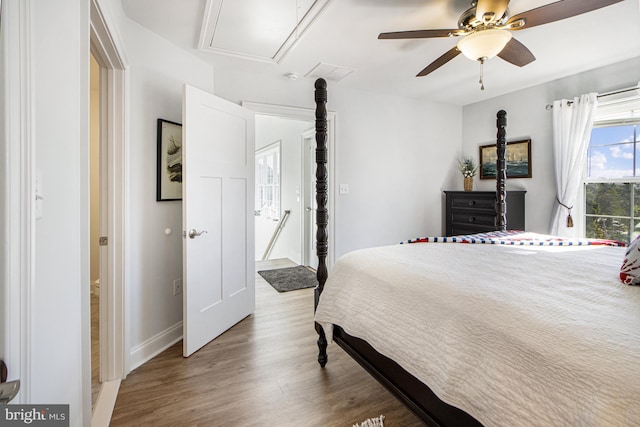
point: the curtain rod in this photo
(600, 95)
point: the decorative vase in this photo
(468, 183)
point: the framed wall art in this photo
(518, 160)
(169, 158)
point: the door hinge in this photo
(104, 241)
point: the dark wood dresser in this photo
(469, 212)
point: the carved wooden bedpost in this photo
(501, 171)
(322, 216)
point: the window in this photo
(612, 184)
(268, 181)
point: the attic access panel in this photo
(256, 29)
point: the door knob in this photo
(193, 233)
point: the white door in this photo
(218, 188)
(309, 199)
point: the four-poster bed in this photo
(438, 352)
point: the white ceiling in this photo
(345, 34)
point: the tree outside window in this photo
(612, 185)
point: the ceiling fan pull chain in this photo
(481, 73)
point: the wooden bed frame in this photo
(411, 391)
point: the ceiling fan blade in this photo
(448, 56)
(517, 53)
(559, 10)
(419, 34)
(491, 10)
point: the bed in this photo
(463, 338)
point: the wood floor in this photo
(95, 348)
(262, 372)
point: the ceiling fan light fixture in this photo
(484, 44)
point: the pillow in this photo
(630, 270)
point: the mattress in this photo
(513, 335)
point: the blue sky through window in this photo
(612, 152)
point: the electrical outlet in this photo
(177, 286)
(344, 189)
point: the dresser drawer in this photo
(472, 218)
(460, 230)
(468, 212)
(471, 202)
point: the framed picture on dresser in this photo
(518, 159)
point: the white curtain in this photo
(572, 124)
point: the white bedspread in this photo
(536, 336)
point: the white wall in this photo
(58, 351)
(59, 348)
(528, 118)
(158, 71)
(4, 159)
(59, 320)
(395, 153)
(270, 129)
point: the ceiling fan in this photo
(486, 28)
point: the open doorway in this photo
(95, 218)
(281, 192)
(305, 161)
(298, 255)
(114, 360)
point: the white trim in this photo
(332, 143)
(108, 48)
(101, 416)
(275, 147)
(284, 111)
(84, 219)
(211, 17)
(19, 190)
(306, 242)
(623, 180)
(155, 345)
(105, 33)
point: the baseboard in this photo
(103, 409)
(155, 345)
